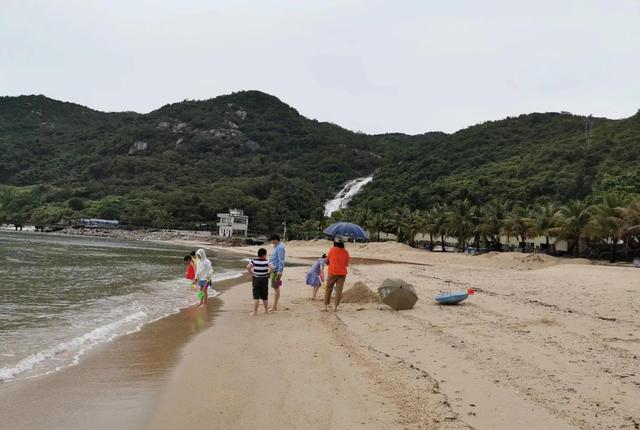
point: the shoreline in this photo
(143, 235)
(532, 349)
(124, 374)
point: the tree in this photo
(573, 219)
(545, 221)
(439, 215)
(631, 233)
(461, 223)
(493, 215)
(425, 225)
(608, 222)
(363, 217)
(519, 223)
(397, 221)
(412, 226)
(377, 223)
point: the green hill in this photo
(179, 165)
(532, 158)
(176, 166)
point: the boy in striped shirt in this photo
(259, 270)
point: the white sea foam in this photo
(75, 346)
(126, 315)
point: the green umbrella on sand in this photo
(398, 294)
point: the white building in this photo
(234, 223)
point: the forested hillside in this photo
(529, 159)
(179, 165)
(176, 166)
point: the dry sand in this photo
(544, 344)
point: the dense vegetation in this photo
(194, 159)
(534, 158)
(181, 164)
(600, 230)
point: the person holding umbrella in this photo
(337, 262)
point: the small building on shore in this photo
(233, 223)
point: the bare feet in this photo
(253, 314)
(273, 310)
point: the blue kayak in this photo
(451, 298)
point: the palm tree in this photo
(545, 221)
(397, 221)
(322, 224)
(425, 225)
(363, 217)
(461, 223)
(439, 215)
(519, 223)
(412, 225)
(631, 233)
(608, 222)
(476, 218)
(492, 221)
(632, 216)
(377, 224)
(573, 219)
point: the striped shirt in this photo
(259, 268)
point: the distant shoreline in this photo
(150, 235)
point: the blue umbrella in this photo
(346, 229)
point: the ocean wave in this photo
(77, 345)
(141, 310)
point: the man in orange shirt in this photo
(337, 263)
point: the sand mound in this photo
(360, 293)
(520, 261)
(381, 247)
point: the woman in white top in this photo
(204, 272)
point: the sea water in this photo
(60, 296)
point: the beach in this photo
(545, 343)
(114, 385)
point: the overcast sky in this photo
(374, 66)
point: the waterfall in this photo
(344, 196)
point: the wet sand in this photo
(544, 344)
(115, 385)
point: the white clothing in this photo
(204, 268)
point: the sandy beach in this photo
(544, 344)
(115, 385)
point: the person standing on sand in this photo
(204, 273)
(277, 265)
(315, 275)
(259, 270)
(337, 261)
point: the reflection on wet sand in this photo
(124, 376)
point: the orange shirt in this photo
(337, 261)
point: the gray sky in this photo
(375, 66)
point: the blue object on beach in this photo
(451, 298)
(346, 229)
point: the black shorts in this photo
(260, 288)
